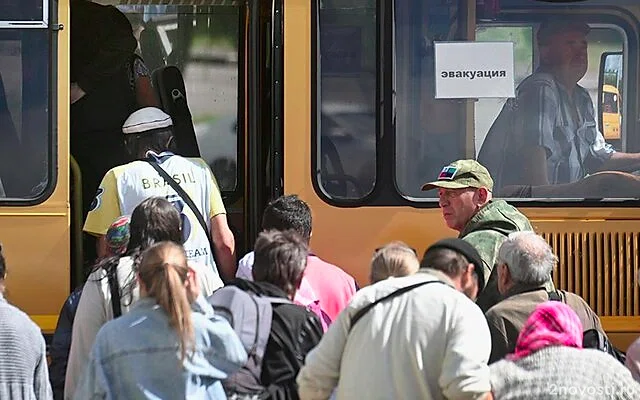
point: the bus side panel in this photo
(35, 240)
(343, 236)
(36, 248)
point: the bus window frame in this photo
(42, 23)
(52, 138)
(316, 175)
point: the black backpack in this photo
(250, 315)
(593, 338)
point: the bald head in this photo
(529, 258)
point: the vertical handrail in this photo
(253, 130)
(76, 221)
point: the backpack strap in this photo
(277, 300)
(112, 278)
(555, 296)
(363, 311)
(187, 199)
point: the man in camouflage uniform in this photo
(464, 189)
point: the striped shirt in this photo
(563, 124)
(24, 373)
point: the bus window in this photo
(610, 99)
(346, 108)
(545, 143)
(25, 137)
(428, 130)
(572, 146)
(203, 43)
(611, 79)
(486, 110)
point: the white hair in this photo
(529, 258)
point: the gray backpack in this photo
(250, 316)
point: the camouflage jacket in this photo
(486, 231)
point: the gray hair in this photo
(529, 257)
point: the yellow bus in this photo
(611, 105)
(334, 100)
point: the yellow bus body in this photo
(611, 119)
(36, 239)
(591, 242)
(595, 245)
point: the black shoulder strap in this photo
(112, 277)
(361, 313)
(185, 197)
(555, 296)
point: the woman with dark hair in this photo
(162, 346)
(154, 220)
(23, 357)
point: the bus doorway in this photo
(222, 59)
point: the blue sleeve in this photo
(61, 343)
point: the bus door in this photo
(223, 53)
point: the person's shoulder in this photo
(20, 320)
(326, 267)
(297, 316)
(576, 302)
(125, 263)
(504, 309)
(196, 161)
(209, 279)
(536, 80)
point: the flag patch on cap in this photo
(447, 173)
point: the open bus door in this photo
(228, 56)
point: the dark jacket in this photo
(486, 231)
(61, 343)
(507, 318)
(294, 332)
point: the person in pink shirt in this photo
(323, 282)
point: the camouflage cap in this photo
(462, 174)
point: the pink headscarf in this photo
(551, 324)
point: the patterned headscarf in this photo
(551, 324)
(118, 236)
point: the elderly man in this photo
(464, 189)
(525, 261)
(416, 337)
(549, 135)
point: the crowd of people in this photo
(166, 312)
(151, 323)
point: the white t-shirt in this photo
(124, 187)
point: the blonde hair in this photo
(163, 270)
(393, 259)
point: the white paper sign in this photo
(474, 70)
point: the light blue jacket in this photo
(136, 356)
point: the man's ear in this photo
(482, 195)
(544, 52)
(504, 277)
